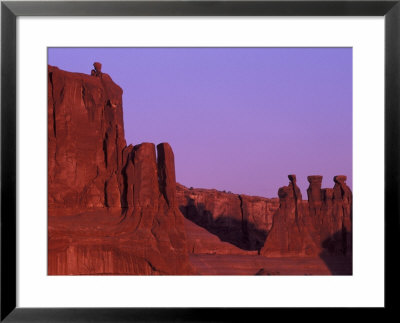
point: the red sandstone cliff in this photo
(92, 174)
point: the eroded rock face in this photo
(289, 235)
(315, 195)
(166, 171)
(112, 207)
(321, 225)
(241, 220)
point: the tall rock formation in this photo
(289, 234)
(314, 194)
(343, 213)
(320, 225)
(112, 207)
(329, 216)
(85, 140)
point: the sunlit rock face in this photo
(85, 140)
(112, 207)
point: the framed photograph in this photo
(162, 159)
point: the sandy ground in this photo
(259, 265)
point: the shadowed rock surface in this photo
(112, 207)
(201, 241)
(241, 220)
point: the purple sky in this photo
(238, 119)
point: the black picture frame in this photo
(10, 10)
